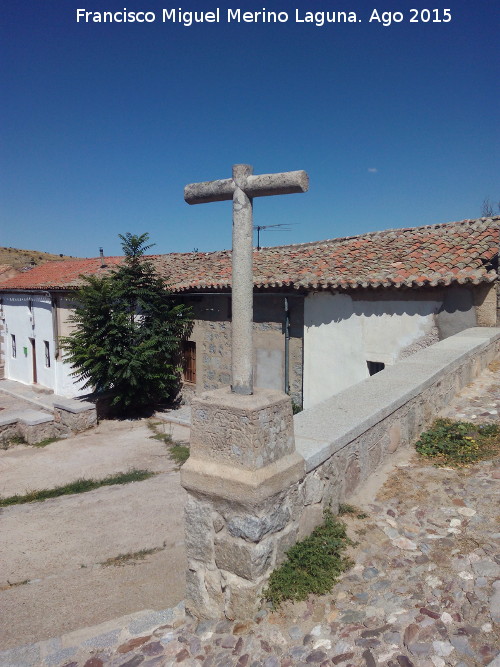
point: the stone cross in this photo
(242, 188)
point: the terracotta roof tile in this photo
(432, 255)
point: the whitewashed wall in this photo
(342, 334)
(37, 324)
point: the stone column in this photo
(242, 480)
(242, 284)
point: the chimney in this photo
(101, 255)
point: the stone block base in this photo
(242, 480)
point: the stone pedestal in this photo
(242, 480)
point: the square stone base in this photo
(244, 431)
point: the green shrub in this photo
(312, 566)
(458, 442)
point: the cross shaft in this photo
(242, 188)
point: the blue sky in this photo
(102, 125)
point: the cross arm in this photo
(286, 183)
(208, 191)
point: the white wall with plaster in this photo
(341, 334)
(30, 317)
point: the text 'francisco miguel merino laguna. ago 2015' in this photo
(188, 18)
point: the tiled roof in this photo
(461, 252)
(60, 274)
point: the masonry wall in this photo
(342, 332)
(345, 438)
(212, 335)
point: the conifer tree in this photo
(128, 331)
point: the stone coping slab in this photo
(74, 406)
(43, 400)
(28, 417)
(324, 429)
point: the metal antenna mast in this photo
(285, 227)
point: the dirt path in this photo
(52, 577)
(110, 448)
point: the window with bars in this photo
(189, 361)
(13, 346)
(47, 353)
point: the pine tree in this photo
(128, 331)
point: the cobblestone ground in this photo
(424, 590)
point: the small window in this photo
(47, 353)
(189, 361)
(375, 367)
(13, 346)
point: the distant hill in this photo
(21, 258)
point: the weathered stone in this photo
(369, 642)
(394, 437)
(254, 528)
(312, 516)
(352, 475)
(133, 662)
(486, 568)
(132, 644)
(461, 644)
(199, 530)
(342, 657)
(285, 541)
(369, 659)
(421, 649)
(376, 631)
(316, 656)
(246, 431)
(204, 597)
(404, 661)
(246, 560)
(442, 649)
(312, 490)
(182, 655)
(241, 628)
(271, 661)
(410, 634)
(243, 597)
(495, 603)
(154, 648)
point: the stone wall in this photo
(245, 510)
(345, 438)
(34, 426)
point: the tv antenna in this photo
(284, 227)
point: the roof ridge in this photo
(384, 232)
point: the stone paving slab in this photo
(424, 590)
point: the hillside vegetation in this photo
(20, 258)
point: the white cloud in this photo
(372, 170)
